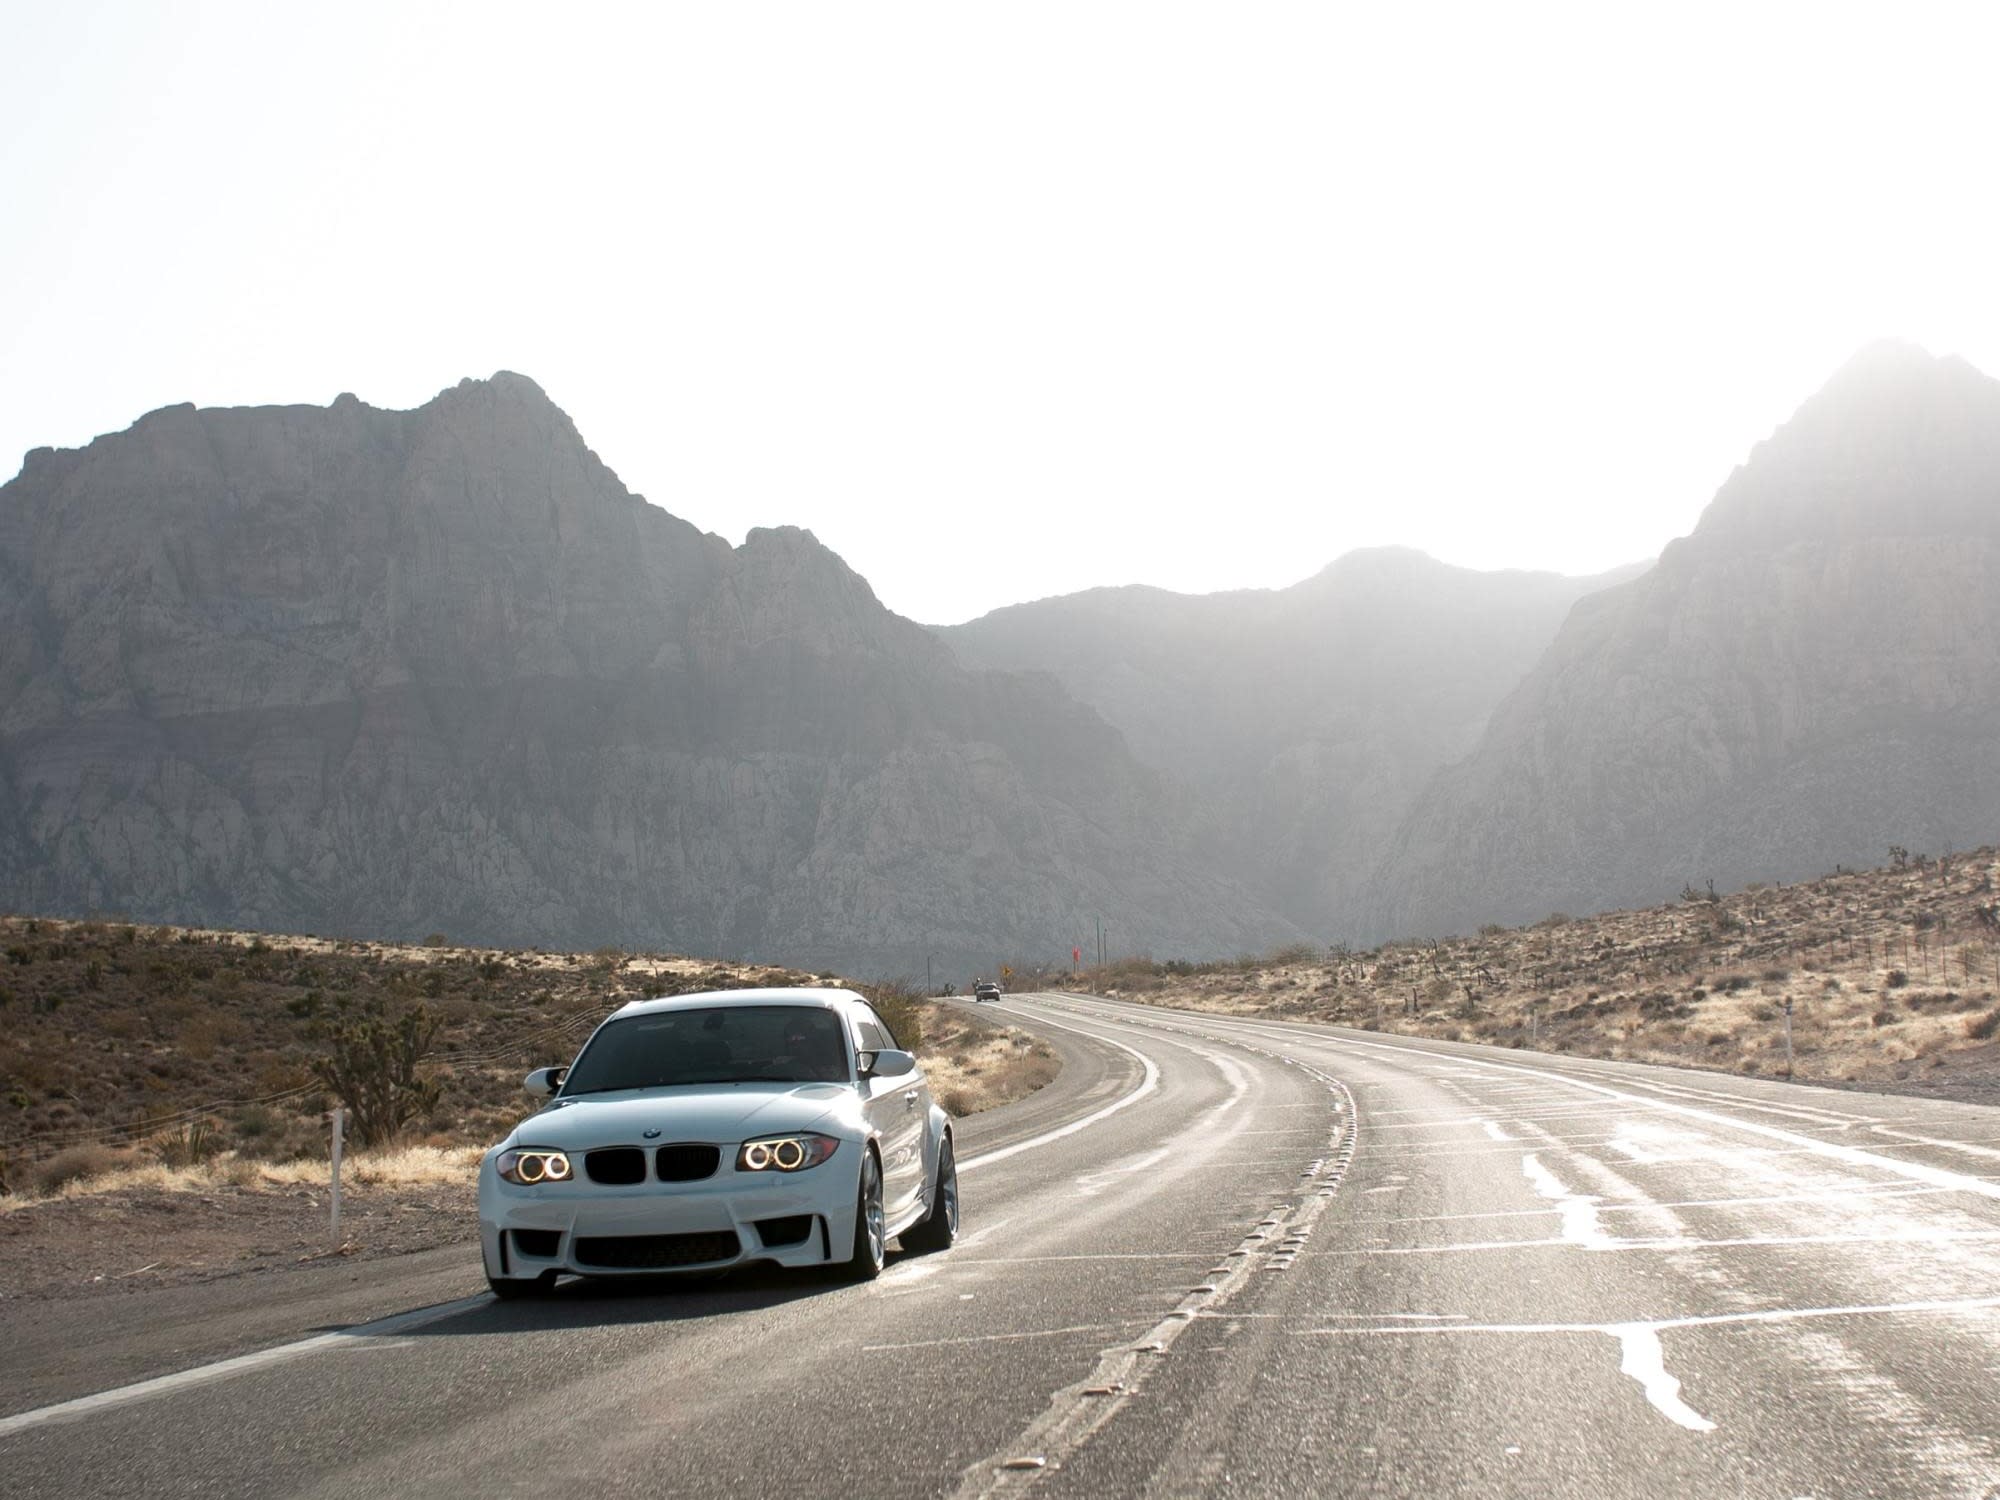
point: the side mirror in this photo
(544, 1081)
(890, 1062)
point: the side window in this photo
(867, 1016)
(872, 1037)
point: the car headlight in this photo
(531, 1165)
(785, 1153)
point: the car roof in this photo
(822, 999)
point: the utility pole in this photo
(930, 984)
(1788, 1036)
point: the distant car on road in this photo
(707, 1131)
(986, 989)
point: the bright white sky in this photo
(1011, 300)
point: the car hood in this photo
(723, 1114)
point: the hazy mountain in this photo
(1309, 718)
(376, 672)
(1810, 677)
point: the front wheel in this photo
(939, 1228)
(871, 1240)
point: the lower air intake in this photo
(656, 1252)
(790, 1230)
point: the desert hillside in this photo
(126, 1046)
(1891, 974)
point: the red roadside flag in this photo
(1076, 955)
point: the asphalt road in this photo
(1217, 1256)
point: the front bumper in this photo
(589, 1229)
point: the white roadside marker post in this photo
(1788, 1036)
(339, 1121)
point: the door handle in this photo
(910, 1099)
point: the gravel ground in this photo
(105, 1244)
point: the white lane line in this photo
(1852, 1156)
(242, 1364)
(985, 1231)
(1496, 1130)
(992, 1338)
(1967, 1147)
(1029, 1260)
(1147, 1084)
(1692, 1320)
(1937, 1238)
(1848, 1197)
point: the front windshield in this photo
(722, 1044)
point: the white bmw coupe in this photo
(706, 1131)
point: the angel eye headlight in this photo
(785, 1153)
(530, 1166)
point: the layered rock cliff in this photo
(352, 670)
(1811, 677)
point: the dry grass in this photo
(409, 1166)
(977, 1064)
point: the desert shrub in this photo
(74, 1165)
(1895, 979)
(1729, 984)
(896, 1002)
(1883, 1017)
(190, 1145)
(436, 940)
(375, 1068)
(955, 1102)
(1776, 976)
(1981, 1028)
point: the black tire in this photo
(871, 1238)
(515, 1288)
(939, 1228)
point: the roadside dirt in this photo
(130, 1239)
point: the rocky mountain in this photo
(1810, 677)
(1308, 718)
(386, 673)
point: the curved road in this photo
(1218, 1255)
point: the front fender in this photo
(935, 1131)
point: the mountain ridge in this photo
(1810, 676)
(347, 669)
